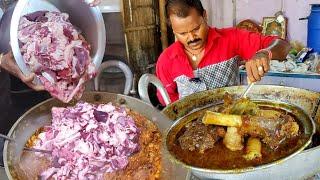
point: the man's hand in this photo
(8, 63)
(257, 66)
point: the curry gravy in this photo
(222, 158)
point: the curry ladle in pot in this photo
(25, 148)
(244, 94)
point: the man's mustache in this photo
(194, 41)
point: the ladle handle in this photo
(143, 88)
(26, 148)
(244, 95)
(6, 137)
(37, 150)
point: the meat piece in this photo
(50, 43)
(233, 140)
(200, 137)
(271, 126)
(273, 130)
(222, 119)
(227, 99)
(253, 149)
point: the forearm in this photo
(279, 49)
(260, 62)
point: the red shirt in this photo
(222, 45)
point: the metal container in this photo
(314, 28)
(291, 167)
(40, 115)
(88, 19)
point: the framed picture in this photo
(274, 28)
(249, 25)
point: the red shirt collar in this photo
(212, 36)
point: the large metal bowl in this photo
(305, 102)
(88, 19)
(40, 115)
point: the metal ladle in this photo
(244, 94)
(25, 148)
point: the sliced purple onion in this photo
(100, 116)
(55, 162)
(77, 147)
(122, 120)
(38, 16)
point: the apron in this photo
(210, 77)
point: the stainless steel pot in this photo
(88, 19)
(293, 168)
(39, 116)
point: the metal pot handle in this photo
(143, 88)
(115, 63)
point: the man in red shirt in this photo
(205, 58)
